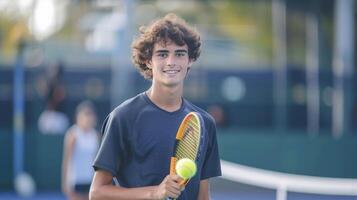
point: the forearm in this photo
(67, 154)
(102, 189)
(111, 192)
(204, 193)
(64, 179)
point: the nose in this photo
(171, 60)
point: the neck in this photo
(167, 98)
(83, 127)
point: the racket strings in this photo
(188, 146)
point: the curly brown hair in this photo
(169, 28)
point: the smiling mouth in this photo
(171, 71)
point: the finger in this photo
(173, 184)
(176, 178)
(173, 194)
(178, 184)
(173, 187)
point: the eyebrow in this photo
(181, 51)
(176, 51)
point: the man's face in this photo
(169, 63)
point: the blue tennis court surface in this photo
(38, 196)
(220, 190)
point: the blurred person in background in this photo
(80, 146)
(56, 91)
(53, 120)
(139, 134)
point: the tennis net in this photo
(243, 182)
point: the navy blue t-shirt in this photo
(138, 141)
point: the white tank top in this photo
(84, 151)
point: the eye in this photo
(180, 54)
(162, 55)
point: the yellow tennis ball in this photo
(186, 168)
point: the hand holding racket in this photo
(188, 145)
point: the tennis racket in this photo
(189, 140)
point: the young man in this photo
(139, 134)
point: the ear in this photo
(189, 66)
(148, 64)
(190, 62)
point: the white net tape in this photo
(284, 182)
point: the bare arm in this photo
(67, 155)
(102, 188)
(203, 193)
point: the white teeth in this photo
(171, 71)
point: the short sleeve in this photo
(108, 156)
(211, 166)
